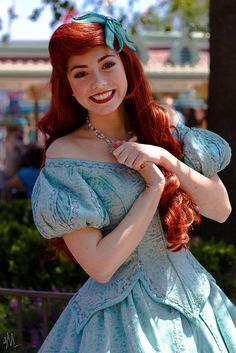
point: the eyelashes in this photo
(108, 65)
(80, 74)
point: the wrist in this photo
(154, 189)
(167, 160)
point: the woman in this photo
(115, 191)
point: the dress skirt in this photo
(139, 324)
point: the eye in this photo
(80, 74)
(108, 65)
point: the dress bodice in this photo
(173, 278)
(72, 194)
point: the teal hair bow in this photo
(113, 28)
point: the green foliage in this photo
(159, 15)
(28, 262)
(16, 210)
(219, 258)
(58, 8)
(26, 258)
(151, 18)
(190, 9)
(190, 14)
(32, 324)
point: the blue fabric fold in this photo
(60, 206)
(157, 301)
(203, 150)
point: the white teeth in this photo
(102, 96)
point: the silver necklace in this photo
(101, 135)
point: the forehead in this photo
(92, 55)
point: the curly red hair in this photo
(149, 120)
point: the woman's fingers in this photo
(130, 160)
(138, 162)
(123, 156)
(117, 143)
(119, 148)
(124, 151)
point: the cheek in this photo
(71, 86)
(123, 79)
(77, 90)
(74, 84)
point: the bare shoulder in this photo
(61, 148)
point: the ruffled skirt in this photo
(138, 324)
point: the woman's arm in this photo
(214, 203)
(101, 256)
(208, 193)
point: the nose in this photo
(99, 81)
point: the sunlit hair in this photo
(148, 119)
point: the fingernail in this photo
(117, 143)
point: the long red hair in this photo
(148, 119)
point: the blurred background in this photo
(188, 52)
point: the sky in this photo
(24, 29)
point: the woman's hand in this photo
(134, 154)
(153, 176)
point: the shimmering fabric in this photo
(157, 301)
(204, 151)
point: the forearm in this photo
(208, 193)
(101, 256)
(113, 249)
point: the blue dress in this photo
(157, 301)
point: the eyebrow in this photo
(84, 66)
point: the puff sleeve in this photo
(63, 202)
(203, 150)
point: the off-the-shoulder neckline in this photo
(88, 161)
(83, 161)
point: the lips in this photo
(103, 97)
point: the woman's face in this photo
(98, 80)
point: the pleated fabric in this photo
(138, 324)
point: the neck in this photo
(114, 125)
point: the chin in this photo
(104, 110)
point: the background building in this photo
(176, 65)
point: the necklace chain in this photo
(100, 135)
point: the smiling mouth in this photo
(103, 97)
